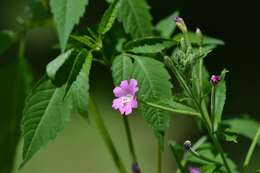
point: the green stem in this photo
(204, 113)
(130, 141)
(251, 150)
(21, 49)
(177, 159)
(105, 135)
(196, 154)
(159, 158)
(212, 107)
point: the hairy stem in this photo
(130, 142)
(105, 135)
(251, 150)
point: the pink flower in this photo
(194, 170)
(215, 79)
(126, 99)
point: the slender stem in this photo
(204, 113)
(212, 107)
(21, 49)
(130, 142)
(177, 159)
(251, 150)
(105, 135)
(159, 158)
(196, 154)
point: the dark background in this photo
(235, 22)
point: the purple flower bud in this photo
(187, 145)
(178, 19)
(135, 168)
(215, 79)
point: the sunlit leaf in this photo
(167, 26)
(66, 14)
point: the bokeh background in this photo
(79, 147)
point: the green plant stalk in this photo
(204, 113)
(130, 141)
(178, 160)
(105, 135)
(212, 107)
(251, 150)
(202, 157)
(21, 49)
(159, 158)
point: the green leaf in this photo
(195, 39)
(80, 88)
(167, 26)
(108, 18)
(244, 127)
(200, 81)
(153, 81)
(76, 68)
(148, 45)
(231, 163)
(220, 98)
(45, 114)
(135, 17)
(208, 168)
(84, 39)
(66, 14)
(122, 68)
(257, 171)
(7, 38)
(172, 106)
(228, 135)
(59, 68)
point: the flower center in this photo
(126, 99)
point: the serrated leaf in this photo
(108, 18)
(135, 16)
(79, 92)
(245, 127)
(75, 70)
(167, 26)
(122, 68)
(228, 135)
(7, 38)
(45, 114)
(172, 106)
(153, 81)
(84, 39)
(59, 68)
(220, 98)
(195, 39)
(148, 45)
(66, 14)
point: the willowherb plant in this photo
(144, 60)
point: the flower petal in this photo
(118, 92)
(133, 86)
(124, 85)
(117, 103)
(128, 108)
(134, 103)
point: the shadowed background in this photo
(79, 147)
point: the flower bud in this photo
(215, 79)
(135, 168)
(187, 145)
(180, 24)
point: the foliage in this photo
(126, 42)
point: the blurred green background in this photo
(79, 147)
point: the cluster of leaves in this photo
(126, 41)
